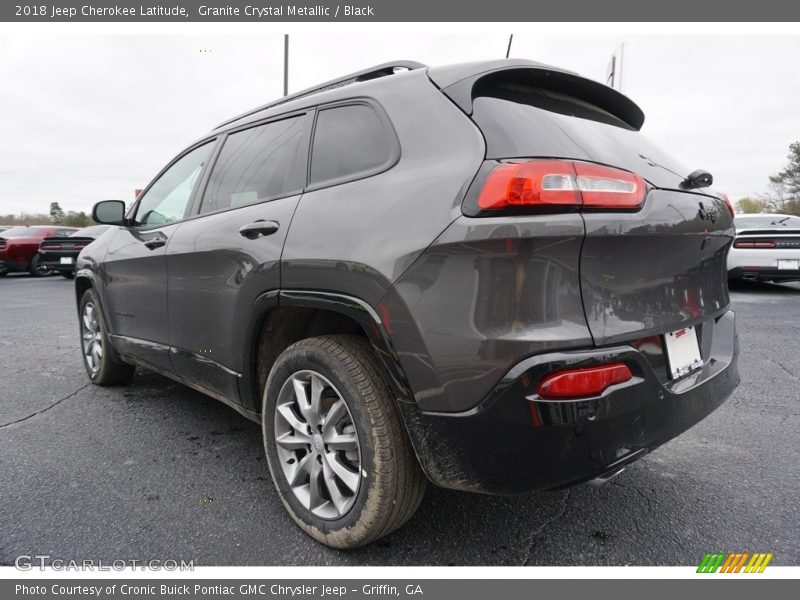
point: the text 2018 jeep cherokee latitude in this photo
(481, 275)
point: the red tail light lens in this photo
(728, 203)
(560, 183)
(582, 383)
(754, 244)
(534, 183)
(51, 246)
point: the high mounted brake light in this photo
(560, 183)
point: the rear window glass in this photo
(257, 164)
(519, 121)
(19, 232)
(350, 142)
(91, 231)
(765, 222)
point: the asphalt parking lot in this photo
(154, 470)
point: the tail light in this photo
(582, 383)
(540, 183)
(51, 246)
(754, 244)
(727, 202)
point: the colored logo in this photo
(743, 562)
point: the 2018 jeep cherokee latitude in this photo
(480, 275)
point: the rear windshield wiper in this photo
(697, 179)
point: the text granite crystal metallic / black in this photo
(481, 275)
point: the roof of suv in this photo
(443, 77)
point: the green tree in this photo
(785, 186)
(56, 213)
(751, 205)
(77, 219)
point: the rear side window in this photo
(257, 164)
(351, 142)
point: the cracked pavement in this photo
(156, 470)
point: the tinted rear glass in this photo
(765, 222)
(350, 142)
(521, 121)
(20, 232)
(93, 231)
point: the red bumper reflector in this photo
(582, 383)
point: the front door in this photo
(135, 268)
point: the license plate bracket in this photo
(683, 352)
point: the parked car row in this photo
(44, 249)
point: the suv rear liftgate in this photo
(598, 238)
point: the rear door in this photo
(135, 267)
(228, 254)
(649, 266)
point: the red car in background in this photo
(19, 247)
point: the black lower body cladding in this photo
(510, 444)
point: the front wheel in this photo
(101, 365)
(336, 449)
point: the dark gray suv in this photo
(478, 275)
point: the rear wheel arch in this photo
(296, 315)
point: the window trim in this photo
(303, 159)
(391, 162)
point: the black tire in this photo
(34, 269)
(391, 485)
(3, 273)
(107, 369)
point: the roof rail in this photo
(375, 72)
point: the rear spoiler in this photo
(458, 82)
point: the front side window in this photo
(168, 197)
(350, 142)
(257, 164)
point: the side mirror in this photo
(109, 212)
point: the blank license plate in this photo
(66, 260)
(683, 352)
(788, 264)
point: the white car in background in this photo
(766, 248)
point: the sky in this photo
(91, 117)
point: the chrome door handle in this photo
(259, 229)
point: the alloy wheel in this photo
(91, 337)
(317, 445)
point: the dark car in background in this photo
(482, 275)
(19, 247)
(766, 248)
(58, 254)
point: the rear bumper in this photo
(770, 273)
(13, 265)
(52, 261)
(515, 442)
